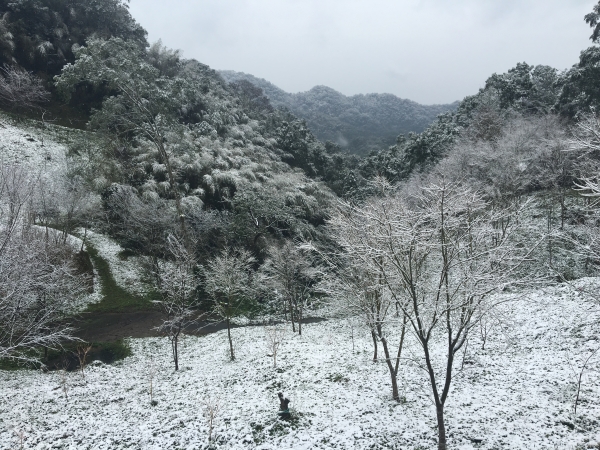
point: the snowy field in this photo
(518, 393)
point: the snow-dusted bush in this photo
(39, 283)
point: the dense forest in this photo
(358, 124)
(216, 211)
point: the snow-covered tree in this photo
(39, 284)
(443, 260)
(141, 224)
(20, 89)
(290, 273)
(228, 282)
(147, 106)
(178, 286)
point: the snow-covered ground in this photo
(43, 150)
(127, 272)
(516, 394)
(36, 147)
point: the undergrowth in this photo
(66, 357)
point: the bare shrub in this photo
(21, 89)
(151, 372)
(20, 436)
(81, 354)
(211, 409)
(580, 372)
(273, 337)
(63, 379)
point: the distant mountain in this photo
(358, 124)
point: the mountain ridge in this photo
(359, 123)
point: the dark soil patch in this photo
(112, 326)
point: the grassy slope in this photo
(115, 298)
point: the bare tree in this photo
(585, 143)
(21, 89)
(228, 282)
(81, 354)
(586, 137)
(177, 286)
(361, 291)
(443, 260)
(274, 338)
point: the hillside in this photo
(514, 394)
(204, 249)
(358, 124)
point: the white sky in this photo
(430, 51)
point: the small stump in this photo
(284, 410)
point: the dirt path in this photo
(110, 327)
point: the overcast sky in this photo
(430, 51)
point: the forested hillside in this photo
(184, 264)
(358, 124)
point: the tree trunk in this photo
(175, 353)
(374, 336)
(84, 237)
(441, 427)
(562, 209)
(400, 346)
(300, 321)
(390, 365)
(172, 182)
(291, 304)
(439, 400)
(230, 341)
(156, 270)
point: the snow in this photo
(517, 393)
(127, 272)
(27, 144)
